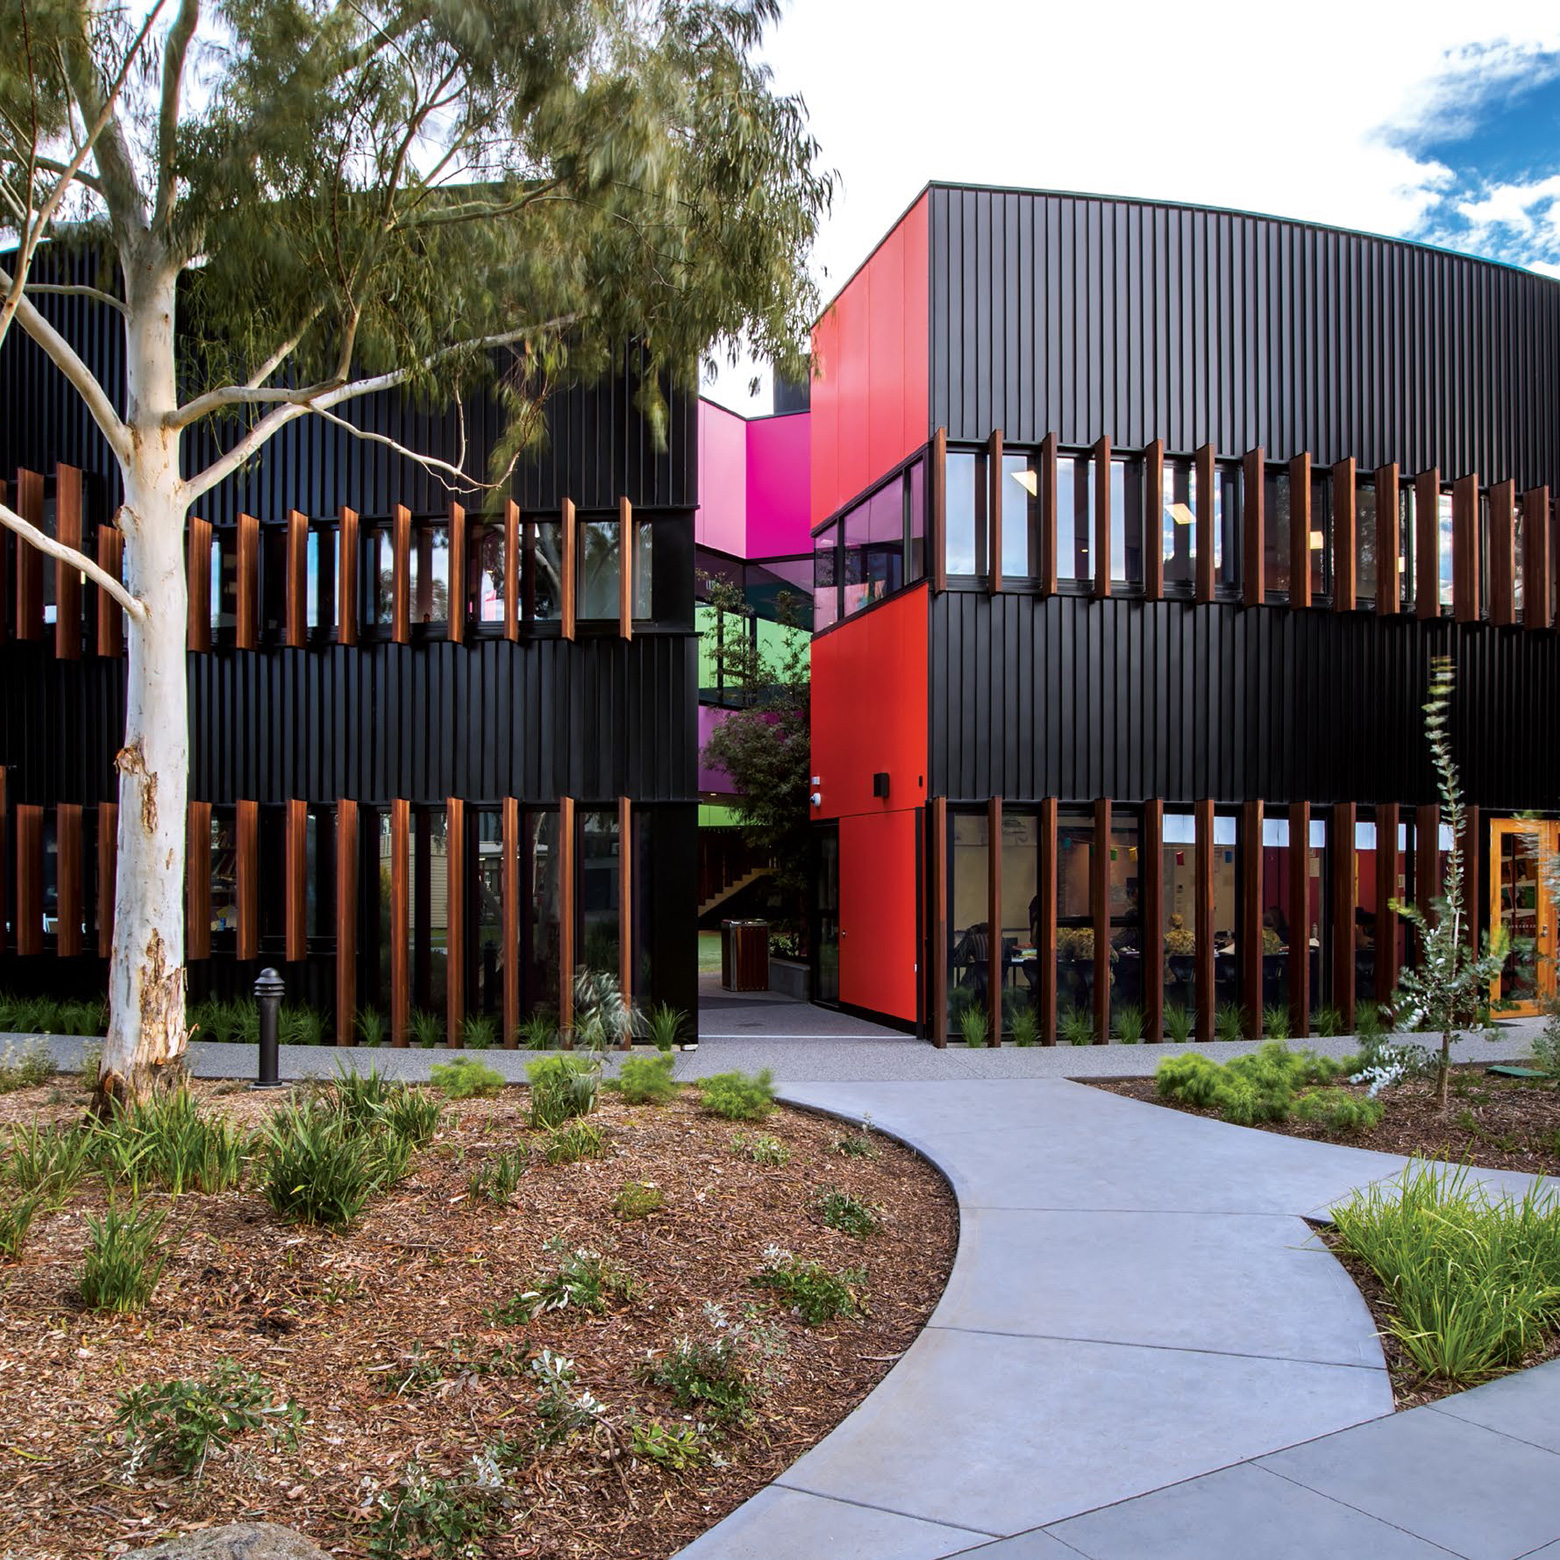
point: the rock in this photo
(236, 1541)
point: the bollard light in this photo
(268, 996)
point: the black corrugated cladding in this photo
(1084, 316)
(1070, 697)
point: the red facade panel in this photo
(878, 913)
(871, 396)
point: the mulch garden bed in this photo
(322, 1315)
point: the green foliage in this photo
(428, 1029)
(1075, 1026)
(1370, 1026)
(858, 1145)
(1025, 1026)
(560, 1411)
(225, 1023)
(442, 1519)
(465, 1078)
(665, 1027)
(848, 1214)
(1327, 1021)
(810, 1290)
(1180, 1023)
(1248, 1089)
(50, 1160)
(423, 1370)
(359, 1098)
(761, 1148)
(974, 1026)
(603, 1016)
(1275, 1021)
(582, 1282)
(479, 1032)
(1129, 1021)
(180, 1423)
(1337, 1111)
(1474, 1281)
(676, 1448)
(638, 1200)
(167, 1140)
(412, 1115)
(124, 1258)
(1229, 1021)
(723, 1373)
(298, 1025)
(45, 1016)
(562, 1087)
(372, 1029)
(323, 1162)
(579, 1140)
(25, 1066)
(1546, 1045)
(647, 1080)
(16, 1218)
(498, 1177)
(539, 1032)
(738, 1096)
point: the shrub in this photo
(723, 1374)
(840, 1211)
(317, 1171)
(1370, 1024)
(466, 1078)
(539, 1032)
(1076, 1026)
(1229, 1022)
(428, 1029)
(738, 1096)
(25, 1066)
(562, 1087)
(479, 1032)
(1025, 1026)
(498, 1177)
(1180, 1023)
(579, 1140)
(167, 1139)
(297, 1025)
(1474, 1282)
(15, 1221)
(1337, 1111)
(1275, 1021)
(638, 1200)
(665, 1027)
(603, 1016)
(412, 1115)
(124, 1259)
(560, 1412)
(810, 1290)
(358, 1098)
(584, 1282)
(50, 1160)
(676, 1449)
(647, 1080)
(1130, 1021)
(181, 1423)
(1327, 1021)
(974, 1026)
(88, 1017)
(371, 1027)
(226, 1022)
(859, 1144)
(444, 1519)
(1546, 1045)
(761, 1148)
(1248, 1089)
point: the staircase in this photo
(732, 886)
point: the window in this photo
(874, 547)
(1275, 912)
(964, 548)
(915, 521)
(1020, 517)
(273, 583)
(542, 560)
(224, 873)
(1179, 887)
(320, 575)
(1074, 521)
(969, 932)
(1367, 923)
(826, 595)
(1482, 512)
(1126, 522)
(1317, 911)
(539, 928)
(224, 582)
(1227, 492)
(600, 569)
(378, 596)
(429, 581)
(1178, 527)
(1020, 912)
(1276, 541)
(1226, 911)
(1365, 542)
(1126, 913)
(486, 955)
(1407, 540)
(1443, 545)
(1321, 536)
(1076, 967)
(644, 570)
(485, 576)
(599, 881)
(1516, 557)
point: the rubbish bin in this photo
(744, 955)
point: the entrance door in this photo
(1519, 904)
(826, 917)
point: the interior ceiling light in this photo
(1028, 480)
(1318, 541)
(1182, 514)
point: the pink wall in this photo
(711, 779)
(779, 465)
(721, 521)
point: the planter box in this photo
(791, 978)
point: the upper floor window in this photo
(1276, 536)
(1074, 521)
(1365, 541)
(1178, 527)
(1020, 516)
(1227, 496)
(826, 594)
(1126, 522)
(1443, 547)
(1321, 535)
(965, 539)
(1407, 540)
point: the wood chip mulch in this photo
(321, 1315)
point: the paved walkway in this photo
(1144, 1354)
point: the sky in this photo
(1439, 122)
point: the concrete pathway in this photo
(1143, 1353)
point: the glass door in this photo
(826, 917)
(1520, 906)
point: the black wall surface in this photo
(1084, 317)
(1081, 699)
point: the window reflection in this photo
(1076, 970)
(1275, 913)
(1126, 918)
(915, 514)
(600, 569)
(1178, 526)
(1178, 870)
(1443, 546)
(543, 560)
(1020, 913)
(1226, 527)
(1074, 518)
(1276, 542)
(1407, 541)
(429, 584)
(320, 572)
(1226, 913)
(1020, 516)
(964, 547)
(1126, 522)
(485, 576)
(1365, 542)
(969, 939)
(826, 596)
(1321, 536)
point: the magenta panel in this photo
(779, 466)
(721, 521)
(711, 779)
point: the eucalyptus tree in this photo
(288, 205)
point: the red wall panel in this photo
(878, 911)
(871, 397)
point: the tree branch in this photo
(78, 290)
(174, 52)
(443, 470)
(77, 560)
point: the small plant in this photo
(665, 1027)
(647, 1080)
(499, 1176)
(723, 1374)
(859, 1144)
(49, 1160)
(974, 1027)
(1327, 1021)
(428, 1029)
(359, 1098)
(181, 1423)
(848, 1214)
(1338, 1111)
(1229, 1022)
(15, 1222)
(443, 1519)
(738, 1096)
(466, 1078)
(638, 1200)
(1180, 1022)
(371, 1027)
(560, 1411)
(579, 1140)
(25, 1066)
(761, 1148)
(413, 1116)
(1546, 1044)
(421, 1371)
(1076, 1026)
(562, 1087)
(810, 1290)
(1129, 1020)
(124, 1259)
(317, 1171)
(1258, 1087)
(479, 1032)
(1024, 1026)
(1275, 1021)
(676, 1449)
(91, 1066)
(539, 1032)
(1370, 1025)
(584, 1282)
(301, 1026)
(167, 1139)
(603, 1016)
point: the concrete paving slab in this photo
(1483, 1496)
(1044, 1429)
(823, 1530)
(1525, 1406)
(1157, 1279)
(1037, 1544)
(1242, 1511)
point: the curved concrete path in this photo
(1136, 1305)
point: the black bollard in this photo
(268, 994)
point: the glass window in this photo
(485, 576)
(1178, 527)
(273, 582)
(1367, 922)
(1321, 536)
(224, 873)
(874, 547)
(1075, 952)
(826, 595)
(598, 930)
(1275, 912)
(1179, 886)
(1126, 522)
(1365, 541)
(428, 905)
(429, 584)
(600, 569)
(543, 564)
(485, 952)
(1074, 518)
(320, 571)
(1443, 545)
(1126, 914)
(969, 932)
(1516, 557)
(1317, 930)
(1226, 911)
(224, 580)
(643, 604)
(1020, 516)
(1226, 527)
(49, 525)
(1275, 526)
(379, 562)
(1406, 541)
(964, 550)
(1482, 512)
(915, 516)
(540, 924)
(1020, 912)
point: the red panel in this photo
(878, 908)
(870, 405)
(869, 711)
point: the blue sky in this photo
(1438, 121)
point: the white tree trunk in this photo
(146, 1031)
